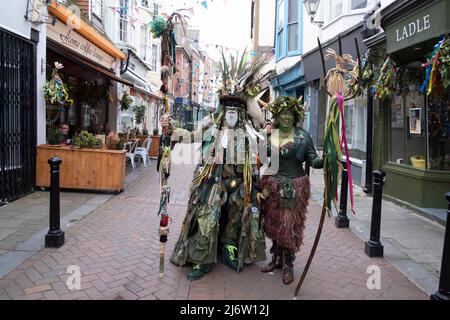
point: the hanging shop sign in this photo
(425, 24)
(70, 39)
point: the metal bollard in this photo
(55, 236)
(341, 220)
(373, 247)
(444, 280)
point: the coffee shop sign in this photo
(413, 28)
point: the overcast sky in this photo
(225, 22)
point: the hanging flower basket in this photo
(55, 90)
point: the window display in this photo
(439, 131)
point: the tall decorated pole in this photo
(164, 29)
(342, 83)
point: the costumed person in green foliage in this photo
(223, 215)
(285, 195)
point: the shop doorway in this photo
(17, 116)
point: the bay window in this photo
(293, 25)
(358, 4)
(288, 32)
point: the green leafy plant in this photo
(125, 102)
(444, 63)
(55, 90)
(53, 136)
(139, 113)
(158, 26)
(387, 82)
(93, 94)
(87, 140)
(155, 132)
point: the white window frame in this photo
(124, 21)
(144, 41)
(96, 8)
(331, 5)
(154, 57)
(357, 9)
(155, 10)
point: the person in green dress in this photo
(285, 195)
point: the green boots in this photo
(198, 271)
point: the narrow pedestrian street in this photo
(117, 250)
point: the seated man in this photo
(64, 134)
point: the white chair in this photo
(143, 151)
(132, 153)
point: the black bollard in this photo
(444, 280)
(373, 247)
(55, 236)
(342, 221)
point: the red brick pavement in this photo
(117, 250)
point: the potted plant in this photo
(93, 94)
(53, 136)
(125, 102)
(155, 143)
(112, 140)
(87, 140)
(139, 113)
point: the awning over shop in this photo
(64, 14)
(75, 58)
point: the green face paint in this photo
(286, 120)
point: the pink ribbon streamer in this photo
(340, 100)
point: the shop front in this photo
(412, 127)
(81, 90)
(317, 101)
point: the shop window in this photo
(358, 4)
(293, 25)
(355, 114)
(408, 121)
(439, 130)
(398, 132)
(336, 7)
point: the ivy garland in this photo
(387, 82)
(287, 103)
(444, 62)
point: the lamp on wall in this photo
(34, 12)
(311, 7)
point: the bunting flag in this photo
(205, 4)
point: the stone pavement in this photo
(412, 243)
(117, 247)
(24, 222)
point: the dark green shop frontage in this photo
(412, 129)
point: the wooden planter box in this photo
(155, 146)
(88, 169)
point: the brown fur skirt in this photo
(284, 225)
